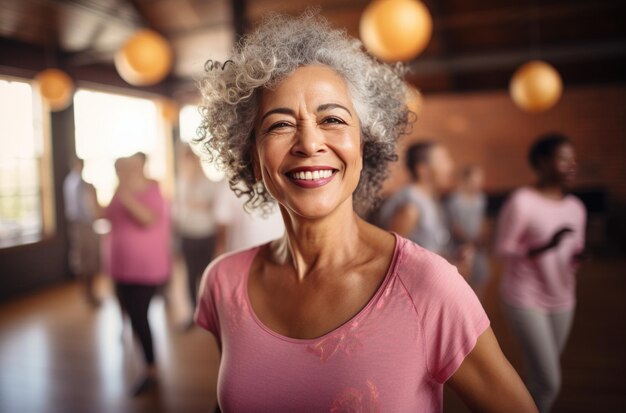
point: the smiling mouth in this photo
(312, 176)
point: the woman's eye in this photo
(333, 120)
(277, 125)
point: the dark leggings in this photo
(135, 300)
(197, 253)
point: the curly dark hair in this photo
(279, 46)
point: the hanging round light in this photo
(536, 86)
(396, 30)
(145, 59)
(56, 88)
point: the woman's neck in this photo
(552, 190)
(310, 244)
(468, 192)
(427, 189)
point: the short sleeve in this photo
(454, 324)
(206, 315)
(511, 227)
(450, 315)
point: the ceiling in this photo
(476, 44)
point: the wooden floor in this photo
(58, 355)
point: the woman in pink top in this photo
(541, 235)
(140, 257)
(337, 315)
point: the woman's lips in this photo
(311, 177)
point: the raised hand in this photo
(554, 242)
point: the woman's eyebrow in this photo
(327, 106)
(285, 111)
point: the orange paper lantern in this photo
(56, 88)
(396, 30)
(536, 86)
(145, 59)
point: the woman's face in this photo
(308, 142)
(563, 166)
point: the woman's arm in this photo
(94, 205)
(510, 229)
(141, 213)
(486, 381)
(554, 242)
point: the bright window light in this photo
(21, 147)
(110, 126)
(189, 121)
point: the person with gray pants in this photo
(540, 237)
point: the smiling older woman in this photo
(337, 315)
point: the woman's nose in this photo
(309, 141)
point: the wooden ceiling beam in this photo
(512, 59)
(508, 15)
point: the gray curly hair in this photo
(279, 46)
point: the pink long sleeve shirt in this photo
(528, 220)
(393, 356)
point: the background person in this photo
(193, 215)
(140, 252)
(541, 236)
(238, 229)
(466, 208)
(416, 211)
(336, 315)
(81, 208)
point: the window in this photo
(21, 157)
(109, 126)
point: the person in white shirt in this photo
(193, 216)
(84, 244)
(238, 229)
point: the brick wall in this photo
(486, 128)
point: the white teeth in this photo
(312, 176)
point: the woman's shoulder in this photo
(576, 203)
(232, 261)
(422, 271)
(521, 194)
(437, 291)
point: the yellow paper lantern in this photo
(56, 88)
(145, 59)
(414, 100)
(536, 86)
(396, 30)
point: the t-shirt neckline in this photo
(360, 314)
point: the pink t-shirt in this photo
(393, 356)
(139, 254)
(529, 220)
